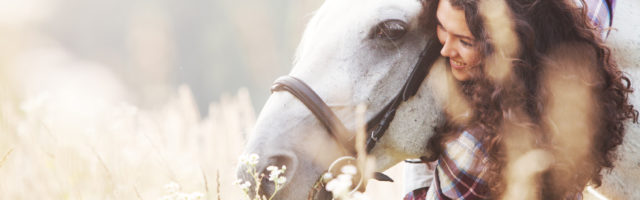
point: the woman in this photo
(473, 155)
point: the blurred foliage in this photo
(215, 47)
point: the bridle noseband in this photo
(319, 108)
(376, 126)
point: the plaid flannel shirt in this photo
(460, 170)
(600, 12)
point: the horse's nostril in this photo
(281, 160)
(278, 169)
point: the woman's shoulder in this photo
(470, 139)
(462, 165)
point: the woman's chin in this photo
(460, 74)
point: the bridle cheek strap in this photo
(378, 125)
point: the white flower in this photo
(349, 169)
(275, 173)
(243, 159)
(345, 178)
(358, 196)
(340, 186)
(273, 176)
(281, 180)
(253, 159)
(250, 160)
(245, 185)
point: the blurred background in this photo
(137, 99)
(152, 47)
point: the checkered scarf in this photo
(460, 171)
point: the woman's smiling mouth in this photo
(456, 64)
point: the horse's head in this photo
(352, 52)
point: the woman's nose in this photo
(447, 49)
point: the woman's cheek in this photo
(471, 56)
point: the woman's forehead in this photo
(453, 19)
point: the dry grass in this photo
(120, 151)
(115, 150)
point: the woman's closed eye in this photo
(466, 43)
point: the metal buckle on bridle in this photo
(373, 137)
(333, 171)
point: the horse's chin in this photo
(385, 158)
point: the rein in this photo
(376, 126)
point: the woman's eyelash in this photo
(466, 43)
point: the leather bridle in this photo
(376, 126)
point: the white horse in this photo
(347, 59)
(352, 52)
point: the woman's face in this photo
(457, 41)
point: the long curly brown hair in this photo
(540, 26)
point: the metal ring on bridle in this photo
(347, 159)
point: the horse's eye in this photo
(392, 29)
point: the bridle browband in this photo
(376, 126)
